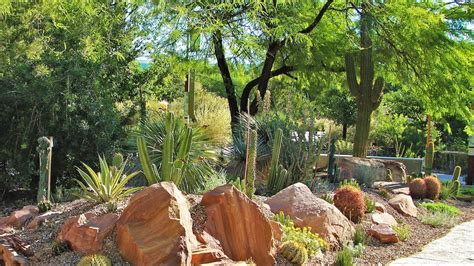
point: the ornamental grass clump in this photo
(350, 201)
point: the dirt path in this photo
(456, 248)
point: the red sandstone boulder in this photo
(9, 257)
(86, 232)
(239, 225)
(204, 255)
(40, 219)
(307, 210)
(156, 227)
(383, 218)
(404, 205)
(384, 233)
(19, 218)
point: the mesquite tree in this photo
(368, 93)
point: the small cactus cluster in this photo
(428, 187)
(58, 247)
(44, 205)
(350, 201)
(455, 185)
(94, 260)
(294, 252)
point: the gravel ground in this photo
(41, 240)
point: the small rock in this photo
(39, 220)
(383, 218)
(383, 233)
(380, 207)
(404, 205)
(19, 218)
(86, 232)
(204, 255)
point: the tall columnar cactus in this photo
(44, 148)
(251, 168)
(149, 169)
(455, 184)
(429, 159)
(191, 91)
(332, 160)
(456, 173)
(368, 93)
(278, 174)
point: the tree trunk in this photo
(344, 131)
(225, 74)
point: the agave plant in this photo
(107, 185)
(190, 155)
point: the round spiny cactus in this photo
(94, 260)
(294, 252)
(350, 201)
(433, 187)
(417, 188)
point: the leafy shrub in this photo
(438, 219)
(94, 260)
(311, 241)
(44, 206)
(344, 147)
(357, 250)
(369, 205)
(344, 257)
(327, 197)
(214, 180)
(63, 194)
(359, 235)
(212, 115)
(200, 159)
(383, 192)
(441, 207)
(295, 252)
(106, 185)
(417, 188)
(433, 187)
(403, 231)
(350, 202)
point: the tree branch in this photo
(318, 17)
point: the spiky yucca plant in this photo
(107, 185)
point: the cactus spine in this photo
(332, 160)
(278, 174)
(294, 252)
(250, 172)
(429, 158)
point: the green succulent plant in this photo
(94, 260)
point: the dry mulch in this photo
(421, 234)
